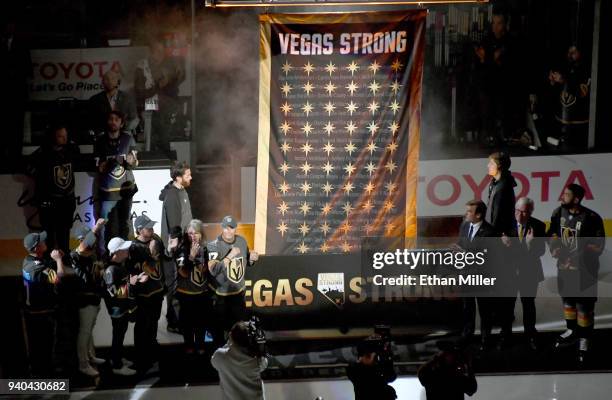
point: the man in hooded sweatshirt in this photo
(176, 212)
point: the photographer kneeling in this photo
(241, 361)
(373, 370)
(448, 375)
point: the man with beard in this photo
(52, 166)
(577, 239)
(115, 154)
(176, 212)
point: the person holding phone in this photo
(116, 156)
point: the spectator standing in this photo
(176, 213)
(115, 153)
(52, 165)
(111, 99)
(89, 271)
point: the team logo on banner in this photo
(235, 272)
(331, 286)
(339, 124)
(62, 175)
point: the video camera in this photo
(380, 343)
(256, 338)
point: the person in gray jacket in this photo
(239, 367)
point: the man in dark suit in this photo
(527, 242)
(112, 99)
(472, 234)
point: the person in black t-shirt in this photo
(52, 165)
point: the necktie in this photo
(470, 232)
(520, 233)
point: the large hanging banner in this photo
(339, 116)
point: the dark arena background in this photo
(330, 136)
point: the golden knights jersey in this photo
(578, 265)
(192, 275)
(141, 261)
(228, 280)
(40, 280)
(116, 181)
(89, 271)
(53, 171)
(118, 296)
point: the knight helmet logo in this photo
(62, 175)
(567, 99)
(569, 238)
(152, 269)
(118, 172)
(235, 272)
(197, 275)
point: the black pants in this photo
(502, 309)
(228, 311)
(120, 326)
(118, 214)
(66, 332)
(145, 329)
(41, 343)
(469, 315)
(196, 315)
(528, 291)
(172, 302)
(56, 218)
(160, 125)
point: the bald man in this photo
(111, 99)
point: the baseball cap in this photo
(117, 244)
(142, 221)
(86, 235)
(230, 221)
(33, 239)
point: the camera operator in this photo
(448, 375)
(241, 361)
(373, 370)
